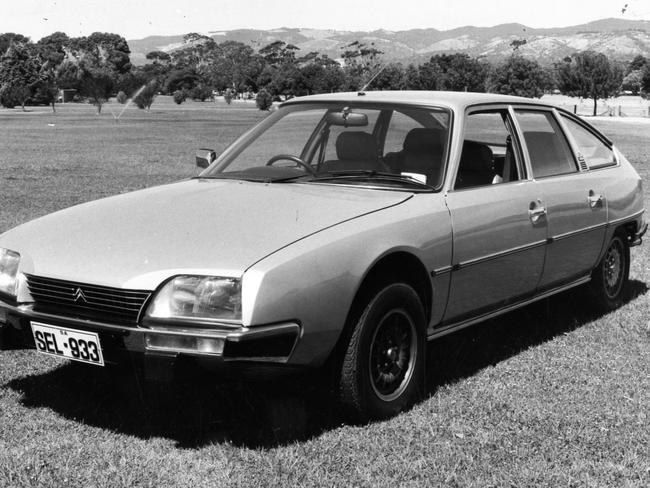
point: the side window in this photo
(488, 156)
(549, 151)
(595, 152)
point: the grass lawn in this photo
(551, 395)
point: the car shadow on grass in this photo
(196, 411)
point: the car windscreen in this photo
(363, 145)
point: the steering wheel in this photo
(295, 159)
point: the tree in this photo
(52, 52)
(319, 74)
(279, 53)
(232, 65)
(362, 62)
(633, 82)
(589, 74)
(52, 48)
(9, 38)
(146, 95)
(160, 57)
(181, 79)
(457, 72)
(180, 96)
(391, 77)
(638, 63)
(201, 93)
(645, 80)
(412, 77)
(264, 100)
(196, 52)
(19, 73)
(97, 62)
(519, 76)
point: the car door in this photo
(576, 207)
(499, 227)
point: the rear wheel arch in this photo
(609, 279)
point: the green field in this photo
(552, 395)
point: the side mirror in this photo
(205, 157)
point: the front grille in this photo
(81, 300)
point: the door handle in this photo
(594, 199)
(536, 211)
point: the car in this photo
(342, 232)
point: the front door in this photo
(498, 221)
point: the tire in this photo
(610, 278)
(383, 364)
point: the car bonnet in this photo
(136, 240)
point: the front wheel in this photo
(610, 278)
(383, 367)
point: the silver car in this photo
(345, 231)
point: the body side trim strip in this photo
(499, 254)
(440, 271)
(629, 217)
(566, 235)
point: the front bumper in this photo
(637, 238)
(263, 344)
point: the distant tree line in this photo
(98, 67)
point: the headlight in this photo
(198, 297)
(9, 261)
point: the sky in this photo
(135, 19)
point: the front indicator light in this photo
(173, 343)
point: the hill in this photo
(617, 38)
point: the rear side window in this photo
(549, 151)
(594, 151)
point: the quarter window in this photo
(548, 149)
(595, 152)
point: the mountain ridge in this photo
(617, 38)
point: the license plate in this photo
(68, 343)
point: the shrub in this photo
(147, 95)
(122, 97)
(180, 96)
(264, 100)
(201, 93)
(8, 97)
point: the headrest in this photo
(423, 139)
(476, 157)
(356, 146)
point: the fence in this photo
(614, 107)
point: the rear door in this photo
(574, 199)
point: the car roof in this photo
(455, 100)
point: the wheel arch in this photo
(396, 266)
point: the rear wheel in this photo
(383, 366)
(609, 279)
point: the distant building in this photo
(66, 95)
